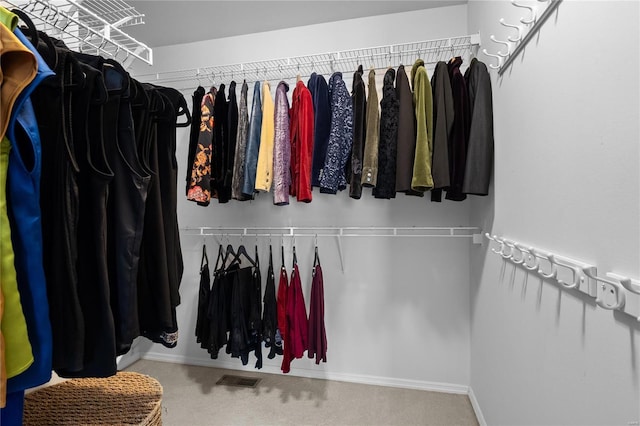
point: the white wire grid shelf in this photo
(90, 26)
(380, 57)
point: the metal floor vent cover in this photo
(244, 382)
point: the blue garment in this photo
(253, 143)
(23, 202)
(317, 85)
(333, 177)
(23, 192)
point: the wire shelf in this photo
(380, 57)
(91, 26)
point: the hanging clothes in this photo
(388, 142)
(18, 68)
(200, 189)
(253, 144)
(359, 133)
(479, 163)
(220, 145)
(59, 200)
(282, 147)
(270, 331)
(204, 293)
(460, 131)
(423, 103)
(23, 202)
(317, 332)
(168, 166)
(264, 170)
(317, 85)
(340, 138)
(218, 310)
(370, 157)
(302, 131)
(241, 147)
(297, 321)
(443, 114)
(94, 177)
(283, 323)
(406, 135)
(197, 96)
(230, 152)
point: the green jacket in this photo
(423, 104)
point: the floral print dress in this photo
(200, 185)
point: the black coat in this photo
(359, 133)
(460, 132)
(480, 149)
(406, 146)
(443, 114)
(219, 146)
(387, 144)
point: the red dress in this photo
(317, 332)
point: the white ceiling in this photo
(174, 22)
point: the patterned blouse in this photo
(333, 177)
(200, 185)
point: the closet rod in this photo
(379, 57)
(348, 231)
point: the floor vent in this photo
(243, 382)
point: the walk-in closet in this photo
(320, 212)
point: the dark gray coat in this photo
(480, 149)
(442, 123)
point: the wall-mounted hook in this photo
(529, 256)
(499, 58)
(575, 270)
(514, 246)
(506, 43)
(517, 27)
(614, 287)
(554, 268)
(532, 10)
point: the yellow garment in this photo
(18, 68)
(423, 102)
(18, 355)
(8, 18)
(264, 171)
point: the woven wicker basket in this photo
(124, 399)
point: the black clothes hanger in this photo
(229, 252)
(242, 251)
(295, 258)
(282, 248)
(205, 258)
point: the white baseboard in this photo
(314, 374)
(476, 408)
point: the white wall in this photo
(398, 314)
(566, 179)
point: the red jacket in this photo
(296, 335)
(301, 143)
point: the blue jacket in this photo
(317, 85)
(253, 143)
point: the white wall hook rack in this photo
(533, 22)
(614, 292)
(468, 232)
(91, 26)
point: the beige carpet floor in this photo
(191, 397)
